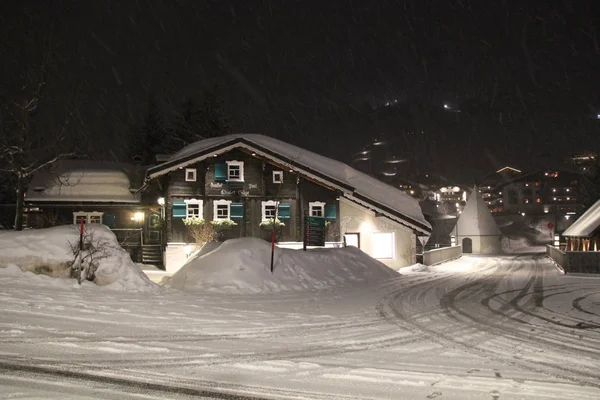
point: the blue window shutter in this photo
(284, 211)
(179, 210)
(109, 220)
(330, 212)
(220, 172)
(237, 211)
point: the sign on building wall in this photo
(314, 231)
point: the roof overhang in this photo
(294, 165)
(381, 211)
(241, 143)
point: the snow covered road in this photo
(479, 327)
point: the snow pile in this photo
(417, 268)
(243, 266)
(48, 252)
(519, 245)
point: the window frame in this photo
(87, 216)
(313, 205)
(194, 172)
(264, 205)
(235, 163)
(198, 202)
(392, 253)
(216, 204)
(278, 176)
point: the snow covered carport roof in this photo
(352, 184)
(586, 224)
(84, 181)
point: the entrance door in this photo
(467, 245)
(153, 228)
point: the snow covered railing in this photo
(129, 237)
(575, 261)
(442, 254)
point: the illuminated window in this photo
(538, 200)
(93, 217)
(352, 239)
(383, 245)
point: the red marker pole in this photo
(272, 248)
(81, 223)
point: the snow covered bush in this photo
(200, 231)
(87, 255)
(271, 224)
(223, 224)
(48, 252)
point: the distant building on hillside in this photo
(585, 163)
(491, 187)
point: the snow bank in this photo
(417, 268)
(243, 266)
(48, 252)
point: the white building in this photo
(476, 229)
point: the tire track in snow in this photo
(397, 315)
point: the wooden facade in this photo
(208, 183)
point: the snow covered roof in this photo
(476, 218)
(586, 224)
(354, 185)
(83, 181)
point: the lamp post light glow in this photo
(161, 201)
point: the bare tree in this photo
(30, 142)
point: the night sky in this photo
(524, 74)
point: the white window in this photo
(277, 176)
(316, 209)
(93, 217)
(269, 209)
(190, 174)
(221, 209)
(383, 245)
(235, 171)
(352, 239)
(193, 208)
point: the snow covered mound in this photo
(243, 266)
(48, 251)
